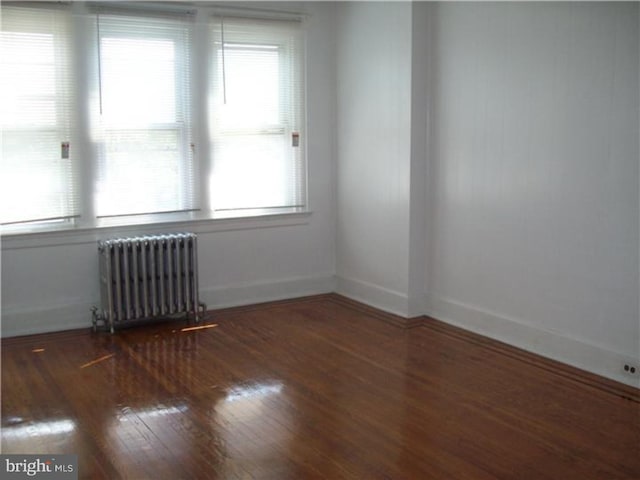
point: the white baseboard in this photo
(373, 295)
(29, 321)
(268, 291)
(592, 358)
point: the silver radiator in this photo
(148, 276)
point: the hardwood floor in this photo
(320, 387)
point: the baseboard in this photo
(588, 357)
(374, 295)
(267, 291)
(395, 320)
(29, 321)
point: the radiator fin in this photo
(148, 276)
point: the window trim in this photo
(72, 235)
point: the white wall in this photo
(50, 282)
(487, 160)
(533, 194)
(373, 152)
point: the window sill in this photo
(73, 235)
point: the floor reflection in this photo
(257, 428)
(256, 391)
(18, 429)
(158, 368)
(158, 411)
(149, 416)
(25, 435)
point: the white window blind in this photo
(145, 158)
(38, 163)
(98, 103)
(257, 115)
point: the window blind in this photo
(38, 168)
(115, 84)
(256, 114)
(145, 157)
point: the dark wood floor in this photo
(314, 388)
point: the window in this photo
(108, 132)
(256, 123)
(37, 168)
(144, 161)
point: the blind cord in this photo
(224, 74)
(99, 62)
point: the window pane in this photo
(252, 172)
(256, 111)
(35, 94)
(138, 80)
(145, 157)
(143, 173)
(34, 177)
(251, 95)
(28, 80)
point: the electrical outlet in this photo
(631, 369)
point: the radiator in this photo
(146, 277)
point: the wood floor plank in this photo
(317, 388)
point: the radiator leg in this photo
(98, 318)
(94, 321)
(202, 309)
